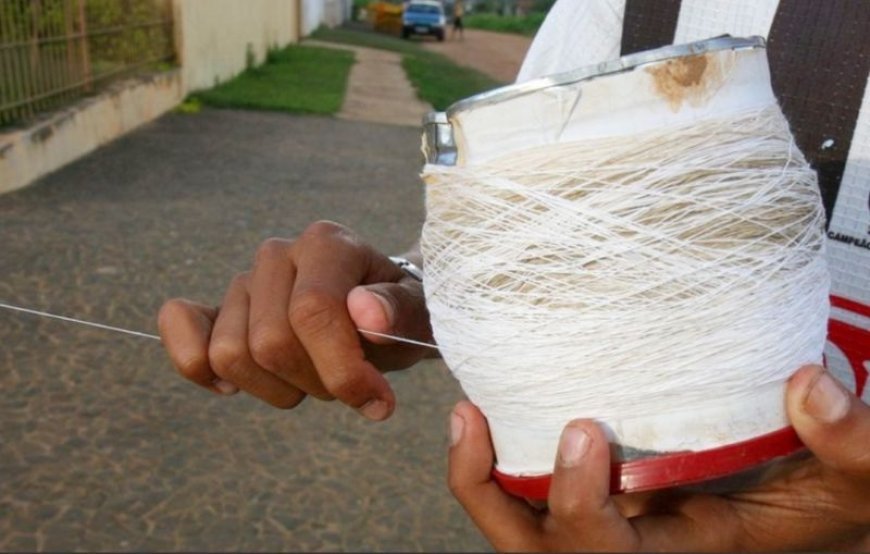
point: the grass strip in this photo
(368, 39)
(436, 78)
(441, 82)
(518, 24)
(297, 79)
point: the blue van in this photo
(423, 17)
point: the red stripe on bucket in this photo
(674, 469)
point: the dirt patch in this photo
(498, 55)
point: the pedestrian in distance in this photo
(458, 12)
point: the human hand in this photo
(288, 328)
(818, 502)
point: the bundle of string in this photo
(627, 276)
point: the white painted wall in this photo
(213, 36)
(323, 12)
(71, 133)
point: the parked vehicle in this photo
(423, 17)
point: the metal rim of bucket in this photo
(439, 146)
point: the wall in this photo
(71, 133)
(323, 12)
(213, 36)
(212, 39)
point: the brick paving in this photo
(103, 447)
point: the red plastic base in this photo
(673, 469)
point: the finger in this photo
(579, 500)
(185, 328)
(507, 522)
(397, 309)
(584, 516)
(230, 357)
(326, 273)
(693, 523)
(273, 344)
(831, 421)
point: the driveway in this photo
(499, 55)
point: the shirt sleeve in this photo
(574, 34)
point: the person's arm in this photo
(288, 328)
(822, 502)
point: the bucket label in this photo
(848, 350)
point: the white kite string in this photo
(155, 337)
(79, 321)
(628, 276)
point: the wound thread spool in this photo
(665, 282)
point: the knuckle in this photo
(345, 387)
(225, 355)
(567, 509)
(170, 310)
(323, 228)
(458, 488)
(271, 249)
(330, 237)
(269, 347)
(240, 280)
(312, 311)
(289, 401)
(194, 368)
(321, 393)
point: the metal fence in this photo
(54, 51)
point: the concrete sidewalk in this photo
(377, 89)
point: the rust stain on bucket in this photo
(692, 79)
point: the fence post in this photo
(35, 77)
(73, 75)
(85, 51)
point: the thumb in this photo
(831, 421)
(506, 521)
(397, 309)
(580, 490)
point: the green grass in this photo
(519, 24)
(436, 78)
(441, 82)
(293, 79)
(367, 39)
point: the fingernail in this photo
(826, 400)
(389, 312)
(225, 387)
(457, 426)
(375, 409)
(573, 446)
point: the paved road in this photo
(499, 55)
(103, 447)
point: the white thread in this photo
(155, 337)
(79, 321)
(624, 277)
(398, 339)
